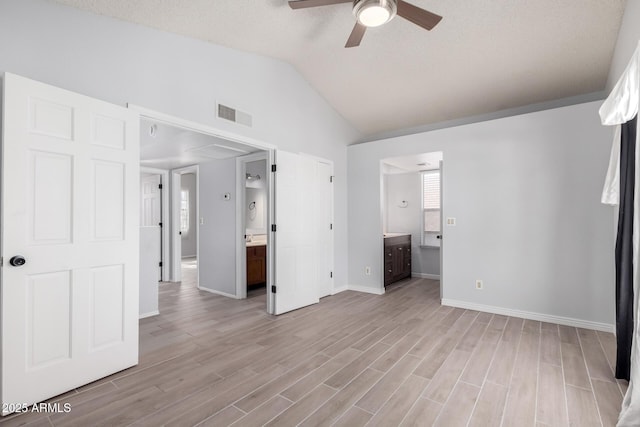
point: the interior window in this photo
(431, 207)
(184, 211)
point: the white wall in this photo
(190, 238)
(217, 262)
(526, 194)
(408, 187)
(121, 62)
(149, 254)
(628, 38)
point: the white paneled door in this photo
(296, 243)
(151, 215)
(324, 227)
(70, 214)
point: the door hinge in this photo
(273, 227)
(330, 226)
(160, 264)
(1, 261)
(331, 179)
(273, 168)
(160, 186)
(273, 289)
(160, 224)
(331, 274)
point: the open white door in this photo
(151, 201)
(295, 237)
(324, 227)
(70, 214)
(151, 212)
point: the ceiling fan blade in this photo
(418, 16)
(301, 4)
(356, 35)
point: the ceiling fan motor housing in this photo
(373, 13)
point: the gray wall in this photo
(120, 62)
(190, 239)
(217, 262)
(408, 186)
(526, 194)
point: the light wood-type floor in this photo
(354, 359)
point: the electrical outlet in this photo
(367, 271)
(479, 284)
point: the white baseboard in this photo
(340, 289)
(224, 294)
(149, 314)
(567, 321)
(426, 276)
(365, 289)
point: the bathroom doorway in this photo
(412, 206)
(255, 216)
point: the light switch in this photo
(451, 221)
(201, 221)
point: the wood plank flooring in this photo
(353, 360)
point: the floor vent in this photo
(233, 115)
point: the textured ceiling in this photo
(483, 57)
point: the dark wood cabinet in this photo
(397, 258)
(256, 265)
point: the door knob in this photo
(17, 261)
(439, 236)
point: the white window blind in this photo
(431, 201)
(184, 211)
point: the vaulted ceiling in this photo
(483, 57)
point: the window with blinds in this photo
(431, 201)
(184, 211)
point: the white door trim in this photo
(147, 113)
(179, 122)
(166, 219)
(442, 224)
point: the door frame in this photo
(150, 114)
(166, 218)
(442, 224)
(176, 250)
(384, 214)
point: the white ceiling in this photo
(171, 147)
(483, 57)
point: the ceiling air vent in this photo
(233, 115)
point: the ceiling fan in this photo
(373, 13)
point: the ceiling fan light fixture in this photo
(373, 13)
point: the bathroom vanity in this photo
(397, 257)
(256, 263)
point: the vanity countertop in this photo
(385, 235)
(256, 243)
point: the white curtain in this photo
(620, 107)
